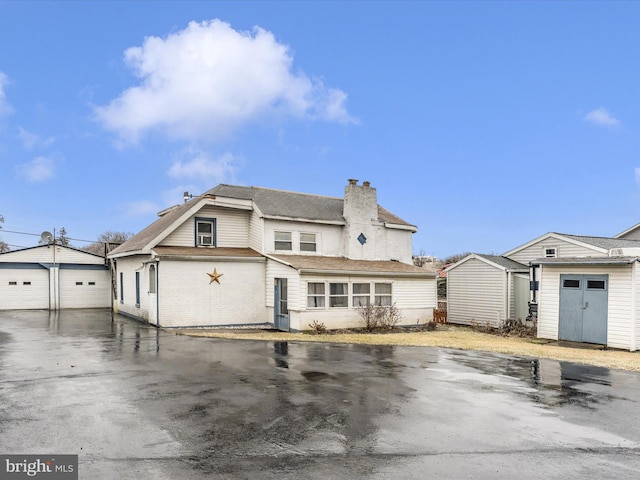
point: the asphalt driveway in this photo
(137, 403)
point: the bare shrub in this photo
(389, 317)
(379, 316)
(317, 327)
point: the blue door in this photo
(280, 305)
(583, 308)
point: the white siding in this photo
(256, 232)
(636, 306)
(415, 298)
(328, 237)
(187, 298)
(128, 266)
(232, 228)
(620, 302)
(564, 249)
(476, 292)
(278, 270)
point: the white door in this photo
(24, 288)
(84, 288)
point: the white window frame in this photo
(201, 238)
(360, 298)
(320, 299)
(379, 294)
(310, 241)
(550, 252)
(282, 239)
(333, 297)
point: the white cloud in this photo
(600, 116)
(31, 140)
(5, 108)
(204, 168)
(208, 80)
(37, 170)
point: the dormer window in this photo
(205, 232)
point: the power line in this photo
(38, 234)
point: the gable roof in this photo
(294, 205)
(628, 230)
(270, 203)
(598, 244)
(9, 253)
(498, 261)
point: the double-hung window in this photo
(205, 232)
(339, 295)
(307, 242)
(283, 241)
(383, 294)
(361, 294)
(315, 295)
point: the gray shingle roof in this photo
(585, 261)
(603, 242)
(504, 262)
(276, 203)
(280, 203)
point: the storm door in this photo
(280, 305)
(583, 308)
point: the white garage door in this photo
(84, 288)
(24, 288)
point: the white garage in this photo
(51, 277)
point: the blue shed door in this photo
(583, 308)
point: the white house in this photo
(256, 256)
(582, 287)
(52, 277)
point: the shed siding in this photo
(232, 228)
(476, 292)
(620, 301)
(564, 249)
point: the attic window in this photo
(205, 232)
(362, 239)
(550, 252)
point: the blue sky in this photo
(486, 124)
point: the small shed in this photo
(486, 289)
(51, 277)
(590, 300)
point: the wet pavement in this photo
(137, 403)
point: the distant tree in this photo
(107, 237)
(63, 239)
(3, 246)
(455, 258)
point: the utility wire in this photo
(38, 234)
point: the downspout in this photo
(634, 303)
(509, 282)
(158, 294)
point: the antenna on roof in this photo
(187, 196)
(46, 237)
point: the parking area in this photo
(136, 402)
